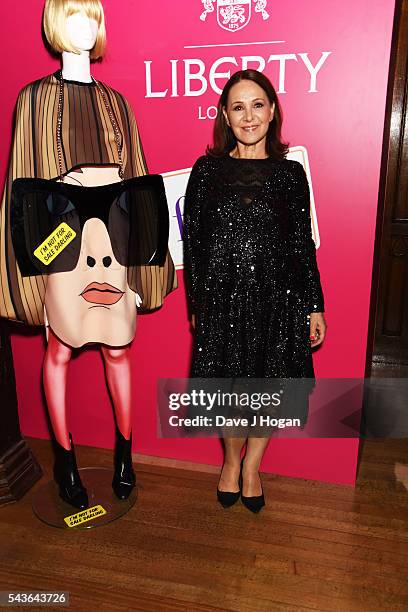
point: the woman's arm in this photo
(304, 253)
(192, 231)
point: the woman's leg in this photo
(251, 483)
(232, 464)
(118, 374)
(55, 370)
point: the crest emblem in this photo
(233, 15)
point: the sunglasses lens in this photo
(47, 223)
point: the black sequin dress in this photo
(250, 265)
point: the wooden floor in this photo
(314, 546)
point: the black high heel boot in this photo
(66, 475)
(124, 478)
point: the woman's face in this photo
(248, 112)
(82, 31)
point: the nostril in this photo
(107, 261)
(90, 261)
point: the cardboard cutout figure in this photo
(106, 233)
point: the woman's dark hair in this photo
(224, 139)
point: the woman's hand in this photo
(317, 328)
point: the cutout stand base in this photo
(52, 510)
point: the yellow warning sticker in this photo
(55, 243)
(84, 516)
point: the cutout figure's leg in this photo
(55, 370)
(118, 374)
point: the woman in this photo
(80, 137)
(252, 279)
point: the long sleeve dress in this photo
(250, 265)
(87, 139)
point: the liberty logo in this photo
(233, 15)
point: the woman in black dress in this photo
(250, 262)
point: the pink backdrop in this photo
(340, 124)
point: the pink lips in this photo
(101, 293)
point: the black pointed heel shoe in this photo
(66, 475)
(229, 498)
(253, 503)
(124, 478)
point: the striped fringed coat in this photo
(87, 139)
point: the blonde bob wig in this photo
(55, 14)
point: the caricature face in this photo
(82, 31)
(93, 302)
(83, 240)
